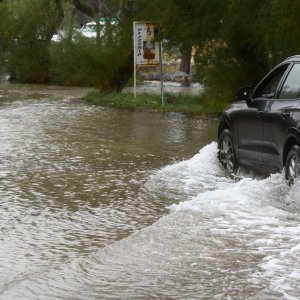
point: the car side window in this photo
(291, 86)
(269, 85)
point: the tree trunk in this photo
(50, 32)
(125, 8)
(185, 65)
(125, 71)
(58, 20)
(122, 75)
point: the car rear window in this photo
(291, 86)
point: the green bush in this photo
(26, 29)
(84, 62)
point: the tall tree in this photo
(281, 25)
(237, 55)
(28, 28)
(124, 69)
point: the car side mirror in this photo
(244, 93)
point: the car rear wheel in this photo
(226, 154)
(292, 166)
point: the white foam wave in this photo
(262, 211)
(188, 178)
(202, 179)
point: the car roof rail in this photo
(294, 57)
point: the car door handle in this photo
(259, 114)
(286, 115)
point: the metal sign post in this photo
(134, 57)
(161, 74)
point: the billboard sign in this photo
(146, 49)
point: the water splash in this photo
(221, 239)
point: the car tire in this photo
(292, 166)
(226, 153)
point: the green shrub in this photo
(26, 29)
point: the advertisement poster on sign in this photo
(145, 46)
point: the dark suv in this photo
(261, 130)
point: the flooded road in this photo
(97, 203)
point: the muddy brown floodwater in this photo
(97, 203)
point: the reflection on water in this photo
(98, 203)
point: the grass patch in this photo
(172, 103)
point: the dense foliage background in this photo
(236, 41)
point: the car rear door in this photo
(278, 118)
